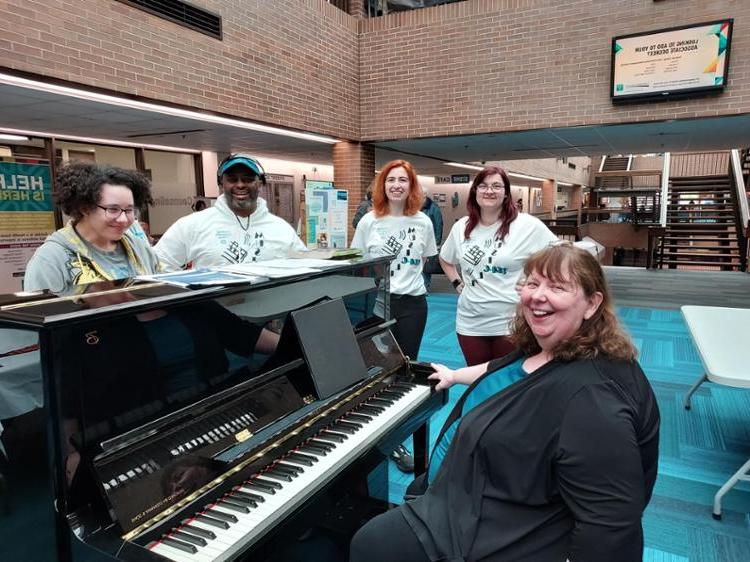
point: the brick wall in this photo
(467, 67)
(353, 170)
(506, 65)
(286, 62)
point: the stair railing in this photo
(664, 189)
(742, 213)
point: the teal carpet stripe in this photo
(699, 449)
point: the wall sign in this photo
(26, 218)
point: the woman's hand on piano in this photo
(444, 376)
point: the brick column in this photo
(358, 8)
(549, 194)
(353, 170)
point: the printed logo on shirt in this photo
(481, 260)
(401, 245)
(250, 248)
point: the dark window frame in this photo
(216, 30)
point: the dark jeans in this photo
(410, 313)
(387, 538)
(480, 349)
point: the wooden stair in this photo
(701, 224)
(612, 164)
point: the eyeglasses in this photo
(113, 212)
(492, 187)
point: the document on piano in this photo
(263, 269)
(201, 278)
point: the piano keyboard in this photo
(237, 519)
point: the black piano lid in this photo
(44, 310)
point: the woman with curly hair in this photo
(551, 452)
(97, 244)
(490, 246)
(397, 227)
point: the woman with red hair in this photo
(490, 245)
(397, 227)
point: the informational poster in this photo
(327, 215)
(671, 61)
(26, 218)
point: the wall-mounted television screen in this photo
(675, 62)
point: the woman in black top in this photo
(552, 451)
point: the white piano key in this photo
(178, 555)
(251, 526)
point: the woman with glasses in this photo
(490, 245)
(98, 243)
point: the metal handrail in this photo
(664, 189)
(739, 185)
(741, 197)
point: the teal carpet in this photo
(700, 448)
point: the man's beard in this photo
(248, 204)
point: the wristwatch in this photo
(456, 283)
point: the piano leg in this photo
(421, 448)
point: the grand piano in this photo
(173, 426)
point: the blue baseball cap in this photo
(240, 160)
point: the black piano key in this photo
(348, 426)
(217, 514)
(185, 547)
(261, 486)
(239, 500)
(210, 520)
(372, 410)
(312, 450)
(403, 386)
(197, 531)
(247, 495)
(320, 443)
(289, 469)
(187, 537)
(380, 401)
(331, 436)
(318, 446)
(277, 475)
(307, 460)
(232, 506)
(356, 417)
(275, 485)
(395, 393)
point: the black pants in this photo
(387, 538)
(410, 313)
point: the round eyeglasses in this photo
(490, 187)
(113, 212)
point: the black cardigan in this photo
(560, 464)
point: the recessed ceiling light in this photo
(467, 166)
(8, 137)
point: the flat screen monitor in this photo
(675, 62)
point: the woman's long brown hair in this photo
(600, 335)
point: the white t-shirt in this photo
(490, 270)
(216, 237)
(410, 239)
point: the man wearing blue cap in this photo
(239, 228)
